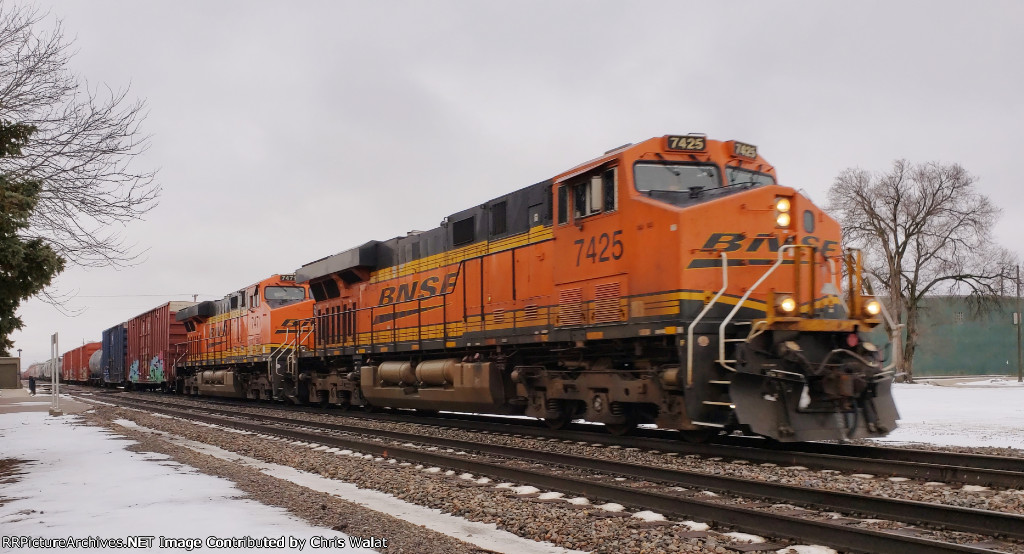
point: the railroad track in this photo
(663, 496)
(947, 467)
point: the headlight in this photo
(782, 207)
(873, 307)
(787, 304)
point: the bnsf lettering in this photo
(725, 242)
(735, 242)
(417, 290)
(449, 282)
(406, 291)
(429, 285)
(828, 248)
(772, 240)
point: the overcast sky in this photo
(287, 131)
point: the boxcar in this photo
(75, 367)
(115, 350)
(153, 346)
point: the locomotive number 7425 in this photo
(600, 248)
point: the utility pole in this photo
(55, 388)
(1020, 362)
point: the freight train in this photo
(672, 282)
(80, 365)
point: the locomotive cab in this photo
(693, 240)
(246, 344)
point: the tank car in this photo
(37, 370)
(96, 367)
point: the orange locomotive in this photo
(670, 282)
(239, 346)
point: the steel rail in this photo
(927, 465)
(951, 517)
(976, 461)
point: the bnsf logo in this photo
(417, 290)
(736, 242)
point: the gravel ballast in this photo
(569, 525)
(540, 515)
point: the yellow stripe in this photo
(663, 304)
(536, 234)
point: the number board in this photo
(744, 150)
(288, 277)
(685, 143)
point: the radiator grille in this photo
(606, 303)
(570, 307)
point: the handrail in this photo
(310, 329)
(837, 284)
(320, 319)
(895, 329)
(742, 300)
(177, 361)
(689, 331)
(276, 352)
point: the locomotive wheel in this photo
(559, 422)
(344, 401)
(698, 436)
(620, 429)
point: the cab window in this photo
(585, 200)
(595, 194)
(282, 296)
(675, 178)
(563, 204)
(610, 189)
(735, 176)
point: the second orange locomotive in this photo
(671, 281)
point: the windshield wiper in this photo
(665, 164)
(742, 183)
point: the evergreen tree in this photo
(27, 265)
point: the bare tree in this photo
(86, 139)
(925, 230)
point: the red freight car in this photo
(75, 366)
(153, 339)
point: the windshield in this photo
(736, 176)
(664, 177)
(281, 296)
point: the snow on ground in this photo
(87, 485)
(82, 483)
(977, 383)
(980, 412)
(484, 535)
